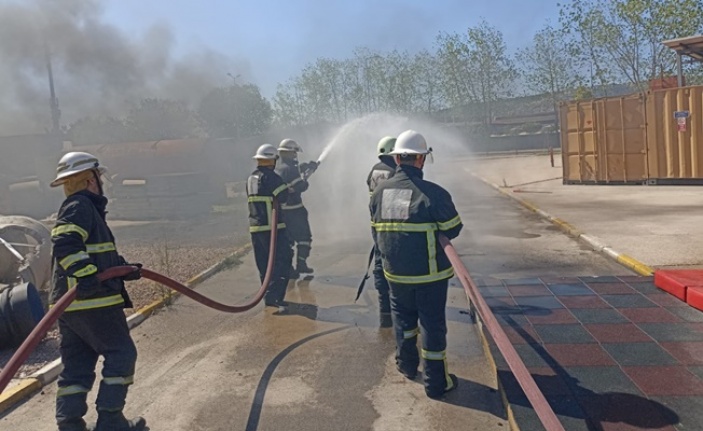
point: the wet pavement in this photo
(326, 365)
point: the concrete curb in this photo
(593, 242)
(27, 387)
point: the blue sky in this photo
(272, 40)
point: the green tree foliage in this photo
(235, 111)
(547, 65)
(620, 40)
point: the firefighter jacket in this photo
(262, 186)
(408, 214)
(83, 246)
(290, 173)
(380, 172)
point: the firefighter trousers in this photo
(86, 335)
(298, 228)
(261, 242)
(425, 303)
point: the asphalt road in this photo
(327, 365)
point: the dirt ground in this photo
(179, 249)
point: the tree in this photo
(235, 111)
(98, 130)
(627, 35)
(156, 119)
(547, 66)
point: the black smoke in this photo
(98, 69)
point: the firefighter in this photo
(294, 212)
(94, 324)
(380, 172)
(263, 186)
(408, 215)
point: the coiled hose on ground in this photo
(38, 333)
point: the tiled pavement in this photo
(609, 353)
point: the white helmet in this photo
(266, 152)
(289, 145)
(410, 142)
(73, 163)
(385, 145)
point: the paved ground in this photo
(661, 226)
(328, 366)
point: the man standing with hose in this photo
(408, 214)
(294, 212)
(380, 172)
(94, 324)
(263, 186)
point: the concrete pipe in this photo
(32, 240)
(20, 310)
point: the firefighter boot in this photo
(115, 421)
(303, 267)
(75, 424)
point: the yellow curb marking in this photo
(16, 393)
(635, 265)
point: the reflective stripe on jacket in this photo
(262, 186)
(83, 245)
(407, 215)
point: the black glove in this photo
(86, 286)
(135, 275)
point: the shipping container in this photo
(651, 138)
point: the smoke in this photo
(98, 70)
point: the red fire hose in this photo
(50, 318)
(523, 376)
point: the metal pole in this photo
(53, 101)
(679, 67)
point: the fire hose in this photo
(544, 412)
(37, 334)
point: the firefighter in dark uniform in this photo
(380, 172)
(263, 186)
(94, 324)
(408, 215)
(295, 213)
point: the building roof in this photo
(691, 46)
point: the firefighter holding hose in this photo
(380, 172)
(263, 186)
(294, 212)
(408, 214)
(94, 324)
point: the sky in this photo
(270, 41)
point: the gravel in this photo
(178, 249)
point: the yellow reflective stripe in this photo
(72, 282)
(456, 221)
(71, 390)
(102, 247)
(266, 228)
(304, 243)
(280, 189)
(431, 252)
(88, 270)
(291, 207)
(411, 333)
(73, 258)
(260, 199)
(69, 228)
(118, 380)
(405, 227)
(87, 304)
(419, 279)
(434, 356)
